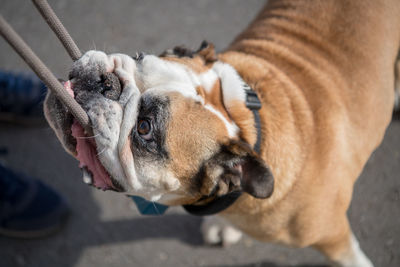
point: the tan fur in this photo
(239, 113)
(324, 73)
(244, 119)
(214, 98)
(205, 134)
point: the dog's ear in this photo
(207, 52)
(178, 51)
(236, 167)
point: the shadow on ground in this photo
(85, 230)
(269, 264)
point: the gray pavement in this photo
(105, 228)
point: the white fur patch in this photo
(355, 257)
(231, 83)
(157, 74)
(94, 57)
(231, 128)
(208, 79)
(156, 180)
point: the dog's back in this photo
(343, 48)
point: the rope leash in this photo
(58, 28)
(34, 62)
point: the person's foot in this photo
(21, 98)
(29, 208)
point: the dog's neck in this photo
(210, 205)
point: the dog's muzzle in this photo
(85, 87)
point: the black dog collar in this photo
(221, 203)
(215, 206)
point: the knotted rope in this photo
(34, 62)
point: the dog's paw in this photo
(217, 231)
(353, 256)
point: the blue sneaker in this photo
(28, 208)
(21, 98)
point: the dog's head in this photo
(172, 128)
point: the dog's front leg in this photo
(343, 249)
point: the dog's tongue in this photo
(87, 156)
(68, 88)
(87, 153)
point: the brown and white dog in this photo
(179, 132)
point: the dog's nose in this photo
(88, 84)
(110, 86)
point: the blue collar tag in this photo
(147, 207)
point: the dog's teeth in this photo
(87, 177)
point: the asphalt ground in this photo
(105, 228)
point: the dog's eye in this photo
(144, 129)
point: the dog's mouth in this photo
(94, 173)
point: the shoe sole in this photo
(34, 233)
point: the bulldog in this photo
(271, 134)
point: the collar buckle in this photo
(252, 100)
(254, 104)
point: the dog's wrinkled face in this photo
(162, 129)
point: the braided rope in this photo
(48, 78)
(58, 28)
